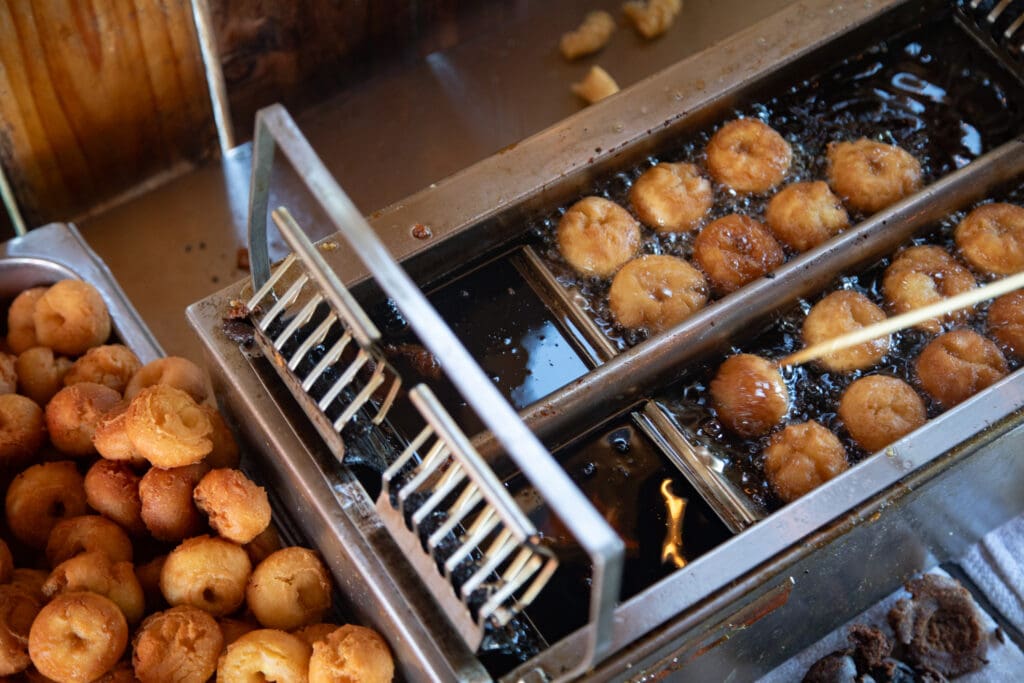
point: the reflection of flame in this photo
(672, 547)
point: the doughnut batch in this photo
(132, 547)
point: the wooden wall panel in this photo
(96, 96)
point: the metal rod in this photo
(11, 202)
(214, 74)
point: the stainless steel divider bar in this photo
(275, 127)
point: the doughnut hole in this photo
(148, 575)
(174, 371)
(6, 562)
(112, 489)
(672, 197)
(748, 156)
(168, 428)
(261, 547)
(237, 508)
(94, 572)
(265, 655)
(18, 609)
(73, 413)
(208, 573)
(111, 437)
(21, 326)
(225, 448)
(1006, 322)
(840, 313)
(878, 410)
(735, 250)
(40, 373)
(991, 238)
(40, 497)
(181, 644)
(22, 431)
(351, 653)
(87, 533)
(77, 637)
(749, 395)
(8, 373)
(802, 457)
(596, 236)
(71, 318)
(922, 275)
(803, 215)
(870, 175)
(289, 589)
(957, 365)
(656, 292)
(168, 509)
(112, 365)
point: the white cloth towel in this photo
(996, 565)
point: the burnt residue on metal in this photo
(815, 391)
(930, 90)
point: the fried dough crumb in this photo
(596, 85)
(592, 35)
(653, 17)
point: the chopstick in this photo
(905, 320)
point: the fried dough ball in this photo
(18, 608)
(597, 236)
(1006, 322)
(87, 533)
(748, 156)
(803, 215)
(749, 395)
(735, 250)
(957, 365)
(265, 655)
(802, 457)
(180, 373)
(112, 489)
(261, 547)
(6, 562)
(40, 373)
(111, 436)
(591, 36)
(73, 413)
(181, 644)
(225, 448)
(168, 509)
(879, 410)
(870, 175)
(991, 238)
(167, 427)
(71, 318)
(351, 653)
(840, 313)
(93, 571)
(289, 589)
(595, 86)
(206, 572)
(672, 197)
(652, 17)
(148, 574)
(31, 581)
(22, 430)
(41, 496)
(315, 633)
(923, 275)
(8, 373)
(77, 637)
(237, 508)
(656, 292)
(233, 629)
(21, 325)
(112, 365)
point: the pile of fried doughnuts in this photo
(598, 238)
(132, 547)
(751, 399)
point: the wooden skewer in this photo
(905, 320)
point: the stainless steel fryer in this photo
(783, 580)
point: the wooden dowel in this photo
(905, 320)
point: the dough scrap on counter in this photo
(596, 85)
(591, 36)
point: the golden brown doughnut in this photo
(148, 574)
(748, 156)
(315, 632)
(802, 457)
(206, 572)
(878, 410)
(261, 547)
(839, 313)
(351, 653)
(73, 413)
(6, 562)
(656, 292)
(84, 533)
(289, 589)
(181, 644)
(18, 608)
(112, 489)
(225, 448)
(21, 326)
(41, 496)
(71, 318)
(991, 238)
(871, 175)
(957, 365)
(735, 250)
(749, 395)
(77, 637)
(596, 236)
(8, 373)
(31, 581)
(233, 629)
(40, 373)
(923, 275)
(265, 655)
(112, 365)
(671, 197)
(803, 215)
(93, 571)
(22, 431)
(180, 373)
(237, 508)
(111, 436)
(1006, 322)
(168, 428)
(168, 509)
